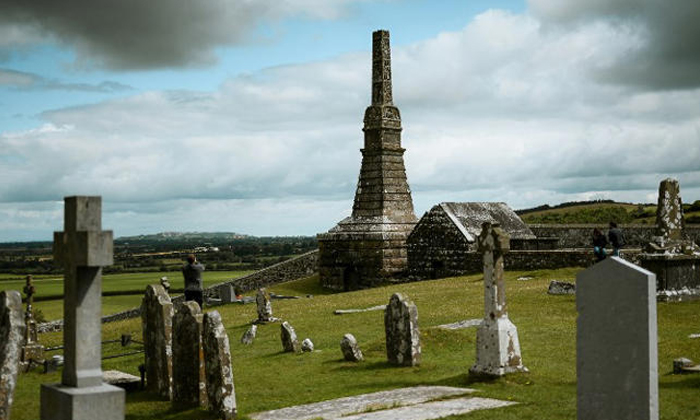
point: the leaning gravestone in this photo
(401, 327)
(157, 321)
(616, 342)
(11, 338)
(83, 248)
(189, 380)
(217, 362)
(497, 344)
(350, 348)
(290, 342)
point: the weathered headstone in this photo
(189, 382)
(290, 342)
(32, 351)
(11, 338)
(401, 327)
(497, 344)
(249, 335)
(350, 348)
(157, 321)
(83, 248)
(557, 287)
(669, 210)
(264, 305)
(616, 342)
(217, 362)
(226, 293)
(307, 345)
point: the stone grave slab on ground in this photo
(616, 342)
(401, 328)
(83, 248)
(497, 343)
(217, 362)
(467, 323)
(189, 379)
(157, 321)
(121, 379)
(11, 339)
(414, 403)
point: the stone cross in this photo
(669, 211)
(83, 248)
(497, 343)
(189, 380)
(11, 338)
(217, 362)
(157, 321)
(32, 351)
(401, 328)
(616, 342)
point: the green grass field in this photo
(265, 378)
(127, 282)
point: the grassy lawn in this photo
(265, 378)
(127, 282)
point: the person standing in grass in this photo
(617, 239)
(192, 272)
(599, 243)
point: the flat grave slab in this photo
(467, 323)
(413, 403)
(433, 410)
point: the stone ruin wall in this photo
(579, 235)
(302, 266)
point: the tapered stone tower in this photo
(369, 247)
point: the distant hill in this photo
(602, 211)
(184, 237)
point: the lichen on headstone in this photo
(219, 374)
(401, 328)
(350, 348)
(157, 321)
(290, 342)
(11, 340)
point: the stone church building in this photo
(441, 242)
(369, 247)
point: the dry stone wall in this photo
(579, 235)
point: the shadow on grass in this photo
(689, 381)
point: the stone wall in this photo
(579, 235)
(292, 269)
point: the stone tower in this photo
(369, 247)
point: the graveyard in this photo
(466, 312)
(266, 378)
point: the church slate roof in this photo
(468, 218)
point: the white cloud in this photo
(503, 110)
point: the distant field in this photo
(51, 286)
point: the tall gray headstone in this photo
(157, 321)
(189, 381)
(12, 329)
(217, 362)
(497, 343)
(401, 327)
(226, 293)
(616, 342)
(83, 248)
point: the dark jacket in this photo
(193, 276)
(600, 241)
(617, 239)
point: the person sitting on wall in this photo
(617, 239)
(192, 272)
(599, 243)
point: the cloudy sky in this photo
(246, 115)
